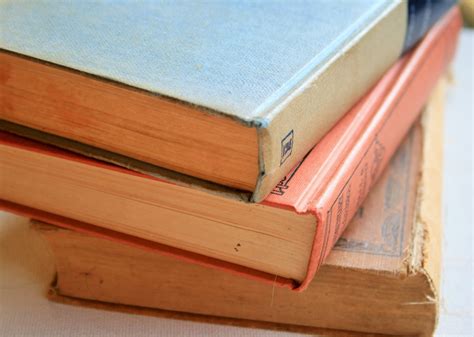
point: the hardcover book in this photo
(231, 92)
(382, 276)
(282, 240)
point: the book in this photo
(288, 235)
(382, 277)
(234, 93)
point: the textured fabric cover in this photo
(236, 57)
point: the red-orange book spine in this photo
(363, 142)
(335, 177)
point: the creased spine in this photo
(428, 215)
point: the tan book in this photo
(382, 277)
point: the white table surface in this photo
(26, 267)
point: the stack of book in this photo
(208, 158)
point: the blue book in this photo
(233, 92)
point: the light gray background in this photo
(26, 267)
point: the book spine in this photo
(303, 117)
(306, 115)
(428, 219)
(348, 187)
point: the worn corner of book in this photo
(416, 250)
(418, 265)
(424, 255)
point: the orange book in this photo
(283, 240)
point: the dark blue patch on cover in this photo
(422, 15)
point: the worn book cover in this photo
(382, 276)
(232, 92)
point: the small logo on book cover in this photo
(284, 184)
(286, 147)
